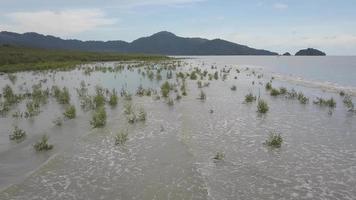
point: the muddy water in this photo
(169, 156)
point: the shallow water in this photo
(169, 156)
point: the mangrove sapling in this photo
(113, 98)
(121, 137)
(348, 103)
(262, 106)
(70, 112)
(233, 88)
(322, 102)
(99, 118)
(17, 134)
(250, 98)
(202, 95)
(275, 92)
(219, 156)
(141, 116)
(165, 88)
(274, 140)
(268, 86)
(170, 101)
(302, 99)
(43, 145)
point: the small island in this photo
(310, 52)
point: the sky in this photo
(280, 26)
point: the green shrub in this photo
(43, 145)
(262, 106)
(18, 134)
(268, 86)
(165, 88)
(250, 98)
(274, 140)
(70, 112)
(113, 98)
(121, 138)
(99, 118)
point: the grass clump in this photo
(99, 98)
(274, 140)
(250, 98)
(262, 106)
(99, 118)
(62, 96)
(43, 145)
(17, 134)
(32, 109)
(70, 112)
(121, 138)
(302, 99)
(275, 92)
(348, 103)
(219, 156)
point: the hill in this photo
(165, 43)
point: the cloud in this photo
(280, 6)
(60, 23)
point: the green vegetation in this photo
(18, 134)
(219, 156)
(274, 140)
(33, 109)
(113, 98)
(99, 98)
(262, 106)
(14, 59)
(302, 99)
(322, 102)
(62, 96)
(70, 112)
(250, 98)
(43, 145)
(121, 138)
(348, 103)
(274, 92)
(165, 88)
(99, 118)
(268, 86)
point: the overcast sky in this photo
(286, 25)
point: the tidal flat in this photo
(192, 128)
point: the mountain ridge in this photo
(163, 42)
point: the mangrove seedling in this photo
(121, 138)
(70, 112)
(262, 106)
(43, 145)
(274, 140)
(17, 134)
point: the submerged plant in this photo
(99, 118)
(250, 98)
(219, 156)
(43, 145)
(274, 140)
(17, 134)
(70, 112)
(262, 106)
(121, 138)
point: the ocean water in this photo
(170, 155)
